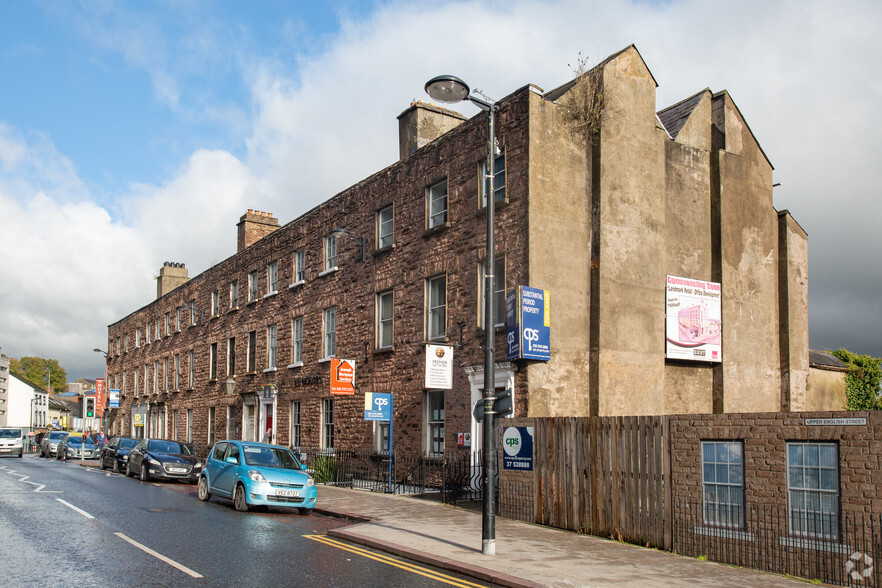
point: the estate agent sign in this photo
(528, 323)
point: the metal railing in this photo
(847, 551)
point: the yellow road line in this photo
(394, 562)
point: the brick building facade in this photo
(395, 262)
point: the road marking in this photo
(159, 556)
(394, 562)
(23, 478)
(79, 510)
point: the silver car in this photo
(49, 444)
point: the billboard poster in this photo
(517, 446)
(377, 406)
(439, 367)
(113, 399)
(342, 376)
(528, 324)
(693, 320)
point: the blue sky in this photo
(133, 133)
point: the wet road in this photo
(63, 524)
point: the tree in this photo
(863, 380)
(36, 370)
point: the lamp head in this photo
(447, 88)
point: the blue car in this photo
(256, 474)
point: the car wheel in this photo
(239, 500)
(305, 511)
(116, 468)
(102, 466)
(145, 475)
(202, 489)
(129, 471)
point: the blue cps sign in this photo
(517, 448)
(377, 406)
(528, 322)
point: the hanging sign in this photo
(528, 323)
(113, 399)
(439, 367)
(342, 376)
(100, 397)
(377, 406)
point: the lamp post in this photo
(451, 89)
(361, 240)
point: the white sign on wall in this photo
(693, 320)
(439, 367)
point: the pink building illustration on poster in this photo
(696, 327)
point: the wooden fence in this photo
(604, 476)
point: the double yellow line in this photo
(394, 562)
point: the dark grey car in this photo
(115, 454)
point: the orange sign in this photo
(342, 376)
(100, 396)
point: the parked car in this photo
(256, 474)
(49, 443)
(77, 446)
(11, 441)
(115, 454)
(167, 460)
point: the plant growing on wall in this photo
(862, 383)
(583, 103)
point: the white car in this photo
(11, 441)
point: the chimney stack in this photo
(422, 123)
(254, 225)
(171, 275)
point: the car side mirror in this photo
(232, 460)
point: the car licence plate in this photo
(281, 492)
(177, 470)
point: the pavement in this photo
(527, 555)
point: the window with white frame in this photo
(146, 379)
(231, 356)
(137, 337)
(272, 278)
(215, 303)
(813, 489)
(212, 361)
(299, 266)
(193, 313)
(722, 466)
(155, 384)
(158, 329)
(437, 204)
(175, 424)
(436, 307)
(251, 357)
(191, 376)
(231, 421)
(189, 425)
(384, 319)
(125, 381)
(297, 341)
(328, 423)
(498, 180)
(177, 371)
(148, 331)
(165, 375)
(178, 320)
(210, 425)
(295, 423)
(252, 286)
(167, 324)
(434, 422)
(271, 339)
(384, 227)
(234, 294)
(136, 389)
(498, 288)
(329, 328)
(127, 343)
(330, 253)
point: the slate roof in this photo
(825, 361)
(674, 117)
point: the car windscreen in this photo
(127, 443)
(168, 447)
(270, 457)
(57, 436)
(10, 433)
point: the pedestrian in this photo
(268, 436)
(102, 439)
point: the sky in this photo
(134, 133)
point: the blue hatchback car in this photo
(256, 474)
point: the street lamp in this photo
(361, 240)
(451, 89)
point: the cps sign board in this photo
(377, 406)
(528, 324)
(517, 446)
(113, 399)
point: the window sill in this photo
(268, 370)
(326, 359)
(214, 316)
(270, 294)
(233, 309)
(436, 229)
(829, 546)
(384, 249)
(250, 302)
(724, 533)
(328, 271)
(296, 284)
(296, 364)
(499, 204)
(384, 350)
